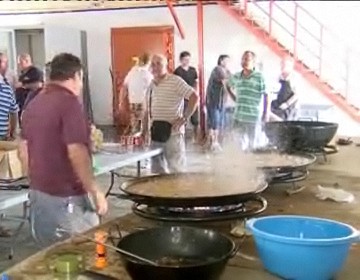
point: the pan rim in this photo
(169, 228)
(123, 187)
(311, 160)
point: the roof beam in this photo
(176, 18)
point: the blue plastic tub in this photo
(300, 247)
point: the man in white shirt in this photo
(136, 84)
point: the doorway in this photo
(32, 42)
(127, 43)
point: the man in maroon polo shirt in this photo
(55, 152)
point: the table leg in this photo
(113, 174)
(22, 220)
(138, 165)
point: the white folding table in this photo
(105, 162)
(9, 199)
(111, 161)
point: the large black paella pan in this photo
(191, 190)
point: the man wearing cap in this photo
(32, 83)
(24, 64)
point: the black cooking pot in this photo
(293, 136)
(183, 253)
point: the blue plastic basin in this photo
(300, 247)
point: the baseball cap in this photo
(32, 75)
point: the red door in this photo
(127, 43)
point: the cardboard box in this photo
(10, 164)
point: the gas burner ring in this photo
(250, 208)
(210, 209)
(293, 176)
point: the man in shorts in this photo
(216, 94)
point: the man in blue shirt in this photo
(8, 123)
(8, 113)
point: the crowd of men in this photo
(233, 100)
(55, 146)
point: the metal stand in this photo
(250, 208)
(114, 174)
(22, 220)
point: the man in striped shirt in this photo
(8, 112)
(248, 90)
(166, 116)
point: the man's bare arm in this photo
(81, 162)
(196, 85)
(192, 105)
(267, 108)
(231, 93)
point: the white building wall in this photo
(223, 35)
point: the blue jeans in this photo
(227, 122)
(52, 219)
(215, 117)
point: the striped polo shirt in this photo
(7, 105)
(166, 99)
(249, 91)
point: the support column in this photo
(200, 26)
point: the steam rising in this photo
(236, 166)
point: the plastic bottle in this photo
(100, 262)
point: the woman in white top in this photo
(136, 84)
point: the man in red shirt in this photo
(55, 152)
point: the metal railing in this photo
(309, 41)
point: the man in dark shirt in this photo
(32, 83)
(216, 94)
(190, 76)
(55, 153)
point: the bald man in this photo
(166, 117)
(7, 76)
(25, 65)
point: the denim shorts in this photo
(215, 117)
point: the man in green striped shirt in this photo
(248, 90)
